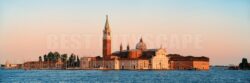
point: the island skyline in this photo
(26, 30)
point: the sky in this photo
(218, 29)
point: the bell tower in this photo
(106, 50)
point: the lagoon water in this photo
(214, 75)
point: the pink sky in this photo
(213, 28)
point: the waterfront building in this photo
(178, 62)
(134, 64)
(105, 64)
(44, 64)
(160, 61)
(85, 62)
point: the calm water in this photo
(89, 76)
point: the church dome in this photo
(141, 45)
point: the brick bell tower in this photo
(106, 50)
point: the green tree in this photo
(53, 57)
(78, 62)
(50, 56)
(74, 61)
(56, 56)
(244, 64)
(71, 61)
(64, 57)
(40, 59)
(45, 58)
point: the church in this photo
(139, 58)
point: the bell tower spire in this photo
(106, 31)
(106, 40)
(107, 24)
